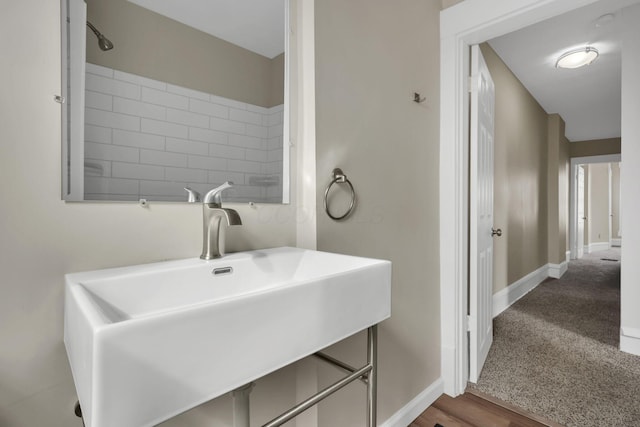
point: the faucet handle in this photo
(213, 196)
(193, 195)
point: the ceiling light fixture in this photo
(577, 58)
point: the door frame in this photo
(573, 193)
(466, 23)
(576, 249)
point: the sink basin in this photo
(148, 342)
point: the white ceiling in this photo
(587, 98)
(256, 25)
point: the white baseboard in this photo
(416, 406)
(616, 242)
(557, 270)
(512, 293)
(630, 340)
(599, 246)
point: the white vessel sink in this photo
(148, 342)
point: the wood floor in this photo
(476, 410)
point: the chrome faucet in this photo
(192, 195)
(213, 214)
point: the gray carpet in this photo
(555, 351)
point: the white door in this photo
(580, 213)
(481, 214)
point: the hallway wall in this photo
(557, 190)
(595, 147)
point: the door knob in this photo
(495, 232)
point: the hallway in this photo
(555, 351)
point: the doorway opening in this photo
(595, 216)
(463, 25)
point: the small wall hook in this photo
(417, 98)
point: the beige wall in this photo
(371, 55)
(43, 237)
(598, 207)
(151, 45)
(557, 189)
(520, 177)
(595, 147)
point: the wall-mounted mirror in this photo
(160, 96)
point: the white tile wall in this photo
(103, 118)
(138, 139)
(97, 134)
(209, 108)
(159, 97)
(245, 116)
(206, 135)
(137, 108)
(148, 139)
(187, 147)
(115, 153)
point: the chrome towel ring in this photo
(340, 178)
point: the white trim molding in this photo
(598, 246)
(557, 270)
(466, 23)
(630, 340)
(304, 145)
(616, 242)
(504, 298)
(416, 406)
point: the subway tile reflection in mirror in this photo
(146, 138)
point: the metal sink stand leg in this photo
(368, 373)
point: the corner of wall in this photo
(416, 406)
(630, 340)
(557, 270)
